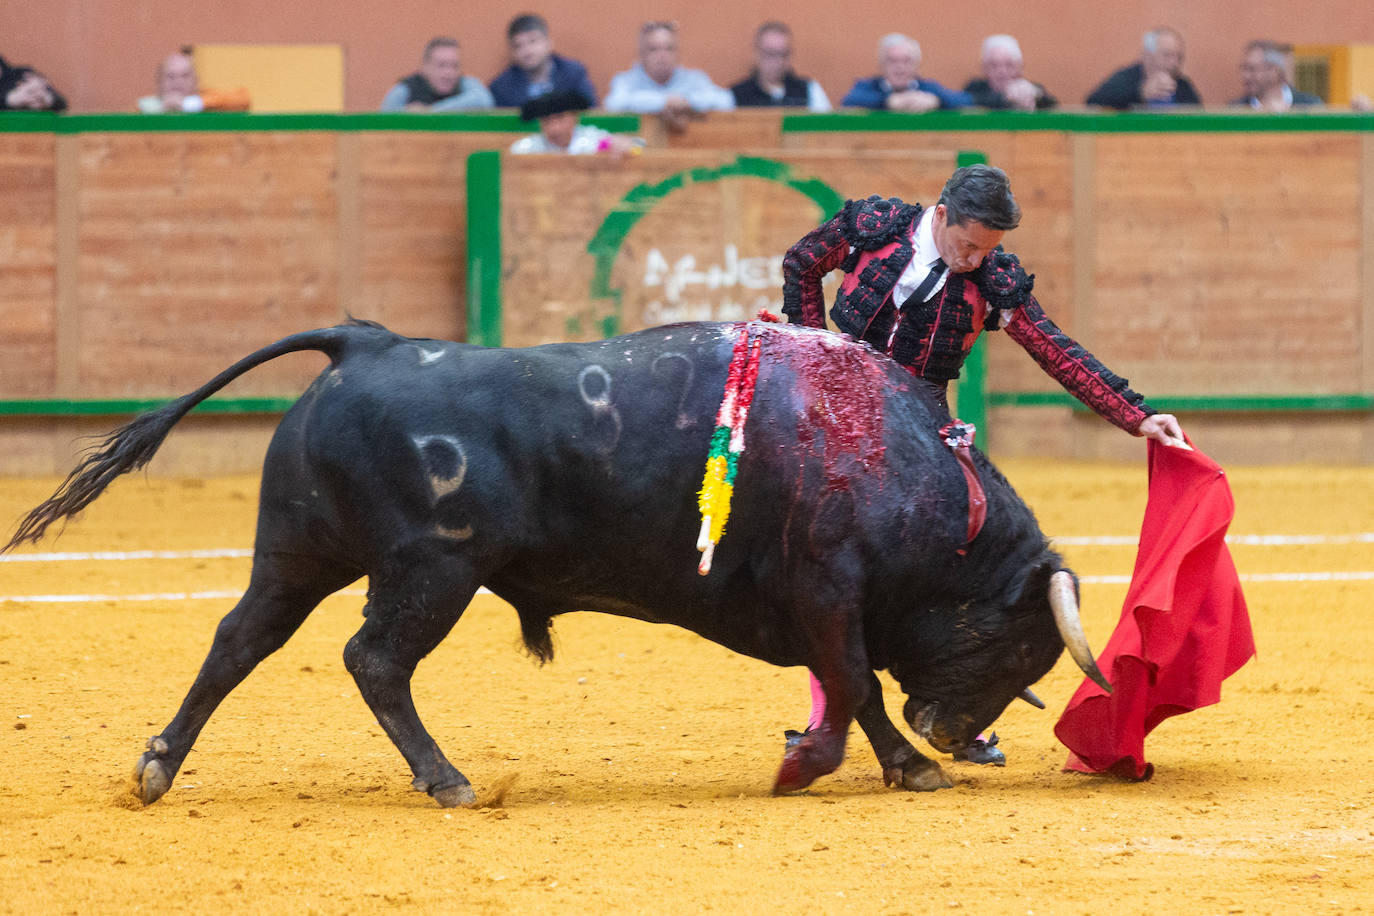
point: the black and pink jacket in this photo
(871, 241)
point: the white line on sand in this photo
(1110, 540)
(230, 595)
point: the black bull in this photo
(565, 477)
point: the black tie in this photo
(937, 270)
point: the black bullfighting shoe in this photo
(794, 737)
(980, 751)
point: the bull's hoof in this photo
(918, 774)
(806, 759)
(455, 796)
(151, 779)
(790, 775)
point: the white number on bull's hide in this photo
(594, 385)
(661, 366)
(447, 465)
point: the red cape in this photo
(1184, 626)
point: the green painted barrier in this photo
(1181, 403)
(239, 121)
(114, 407)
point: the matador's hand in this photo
(1163, 428)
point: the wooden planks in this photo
(28, 265)
(1231, 265)
(676, 235)
(137, 264)
(198, 248)
(412, 233)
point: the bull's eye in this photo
(1025, 652)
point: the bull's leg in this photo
(282, 593)
(413, 607)
(843, 671)
(902, 764)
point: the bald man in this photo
(177, 87)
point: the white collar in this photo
(925, 253)
(1287, 98)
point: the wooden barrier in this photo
(1226, 262)
(1197, 259)
(670, 236)
(135, 263)
(28, 264)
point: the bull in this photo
(564, 477)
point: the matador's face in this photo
(962, 247)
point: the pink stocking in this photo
(817, 704)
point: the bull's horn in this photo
(1032, 699)
(1065, 606)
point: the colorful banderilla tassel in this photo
(727, 444)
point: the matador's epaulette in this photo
(872, 223)
(1003, 282)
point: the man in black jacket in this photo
(773, 81)
(1155, 80)
(25, 89)
(1004, 84)
(1265, 72)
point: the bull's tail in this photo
(133, 445)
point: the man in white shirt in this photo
(657, 85)
(560, 131)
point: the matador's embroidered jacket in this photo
(871, 241)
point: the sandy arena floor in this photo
(644, 755)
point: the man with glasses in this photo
(1266, 75)
(773, 81)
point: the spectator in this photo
(439, 85)
(773, 82)
(177, 87)
(178, 90)
(534, 69)
(560, 132)
(657, 85)
(1266, 73)
(25, 89)
(1003, 85)
(900, 88)
(1156, 79)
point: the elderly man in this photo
(657, 85)
(439, 85)
(920, 284)
(900, 87)
(1266, 74)
(1003, 86)
(773, 81)
(177, 87)
(535, 69)
(1156, 79)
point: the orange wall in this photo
(102, 53)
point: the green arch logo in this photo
(641, 199)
